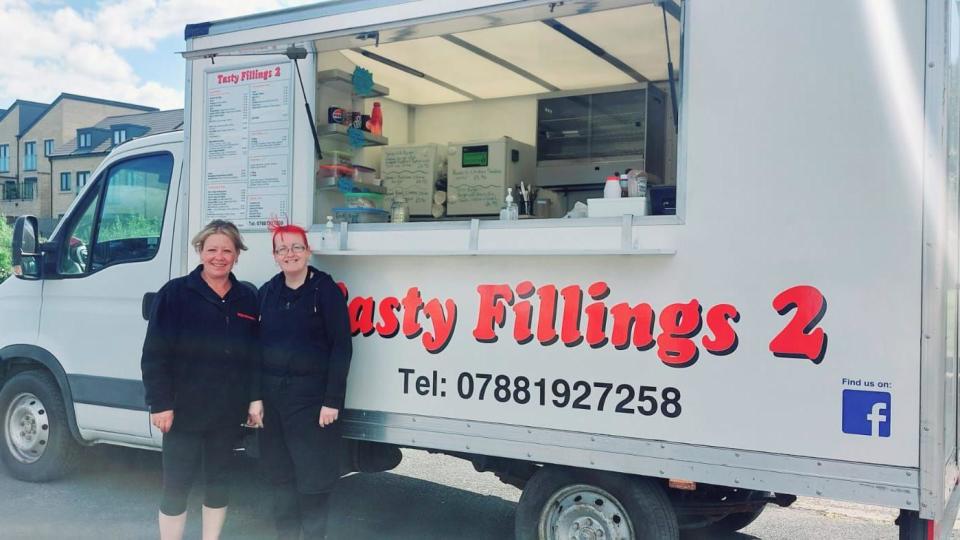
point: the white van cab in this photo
(72, 339)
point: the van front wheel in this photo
(36, 442)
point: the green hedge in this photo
(6, 237)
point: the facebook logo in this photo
(866, 413)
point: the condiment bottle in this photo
(611, 188)
(398, 209)
(375, 124)
(632, 186)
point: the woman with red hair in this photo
(305, 340)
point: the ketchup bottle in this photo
(375, 124)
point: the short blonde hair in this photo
(219, 226)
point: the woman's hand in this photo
(162, 420)
(255, 414)
(328, 416)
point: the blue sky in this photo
(123, 50)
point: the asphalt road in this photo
(114, 494)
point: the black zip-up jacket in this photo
(200, 357)
(306, 333)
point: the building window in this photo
(47, 147)
(65, 181)
(119, 136)
(4, 158)
(30, 156)
(82, 178)
(85, 140)
(29, 189)
(9, 190)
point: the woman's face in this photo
(218, 255)
(290, 252)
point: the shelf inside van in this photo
(340, 131)
(343, 81)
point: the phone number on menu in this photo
(560, 393)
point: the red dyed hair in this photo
(277, 227)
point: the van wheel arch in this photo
(15, 359)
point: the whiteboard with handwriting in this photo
(411, 171)
(478, 186)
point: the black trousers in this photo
(301, 460)
(187, 452)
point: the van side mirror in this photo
(25, 254)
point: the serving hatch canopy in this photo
(486, 55)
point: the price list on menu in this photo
(248, 145)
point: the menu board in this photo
(477, 190)
(247, 150)
(411, 171)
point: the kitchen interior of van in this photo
(501, 118)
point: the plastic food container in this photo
(336, 163)
(361, 215)
(365, 175)
(364, 200)
(335, 171)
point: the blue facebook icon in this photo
(866, 413)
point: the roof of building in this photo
(29, 112)
(154, 122)
(87, 99)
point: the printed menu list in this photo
(248, 146)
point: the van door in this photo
(113, 248)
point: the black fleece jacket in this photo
(306, 333)
(200, 357)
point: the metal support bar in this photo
(416, 73)
(343, 235)
(626, 232)
(670, 6)
(474, 234)
(595, 49)
(500, 62)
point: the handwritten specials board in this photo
(411, 172)
(248, 144)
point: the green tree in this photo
(6, 237)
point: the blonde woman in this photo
(201, 374)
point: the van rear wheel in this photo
(560, 503)
(36, 442)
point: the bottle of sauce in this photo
(611, 188)
(375, 124)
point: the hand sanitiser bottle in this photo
(330, 240)
(509, 212)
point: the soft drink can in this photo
(335, 115)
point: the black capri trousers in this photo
(184, 452)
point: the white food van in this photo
(777, 318)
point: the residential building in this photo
(14, 121)
(29, 183)
(73, 162)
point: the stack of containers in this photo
(362, 197)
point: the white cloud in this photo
(54, 48)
